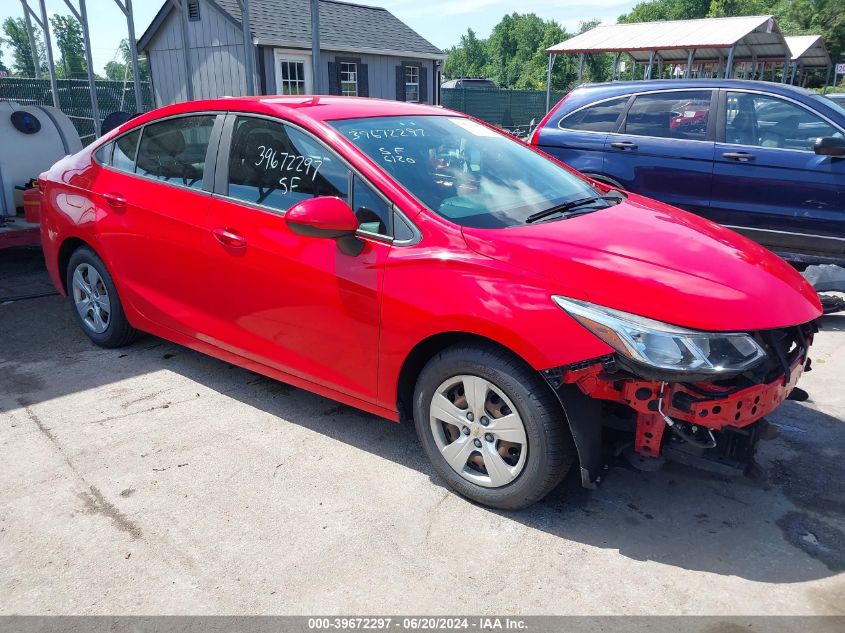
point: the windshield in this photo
(464, 171)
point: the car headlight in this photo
(665, 346)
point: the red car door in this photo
(155, 200)
(295, 303)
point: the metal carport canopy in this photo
(711, 38)
(809, 50)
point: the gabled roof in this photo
(710, 37)
(344, 27)
(809, 50)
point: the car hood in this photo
(654, 260)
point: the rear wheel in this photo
(96, 304)
(491, 427)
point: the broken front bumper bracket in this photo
(695, 410)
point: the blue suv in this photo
(765, 159)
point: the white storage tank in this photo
(32, 137)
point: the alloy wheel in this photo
(91, 298)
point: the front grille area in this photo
(783, 347)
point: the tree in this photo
(795, 17)
(120, 70)
(68, 33)
(815, 17)
(468, 59)
(517, 50)
(3, 68)
(514, 55)
(18, 40)
(654, 10)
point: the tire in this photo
(540, 462)
(105, 327)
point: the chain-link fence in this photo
(75, 98)
(509, 109)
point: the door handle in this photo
(624, 145)
(115, 199)
(228, 237)
(742, 157)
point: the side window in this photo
(600, 117)
(402, 232)
(276, 165)
(372, 211)
(103, 154)
(173, 151)
(767, 121)
(123, 157)
(681, 115)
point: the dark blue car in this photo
(765, 159)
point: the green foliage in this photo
(513, 56)
(795, 17)
(122, 70)
(18, 40)
(68, 33)
(468, 59)
(810, 17)
(3, 67)
(654, 10)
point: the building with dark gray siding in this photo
(365, 51)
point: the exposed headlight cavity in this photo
(662, 345)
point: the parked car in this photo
(470, 84)
(765, 159)
(837, 97)
(415, 263)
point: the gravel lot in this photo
(153, 479)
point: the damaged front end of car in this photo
(669, 393)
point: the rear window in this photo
(599, 117)
(123, 157)
(174, 150)
(676, 114)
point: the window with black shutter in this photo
(400, 83)
(348, 77)
(411, 83)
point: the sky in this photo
(442, 22)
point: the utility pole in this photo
(48, 44)
(36, 62)
(82, 17)
(249, 49)
(315, 45)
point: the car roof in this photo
(624, 87)
(589, 93)
(299, 107)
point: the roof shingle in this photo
(342, 25)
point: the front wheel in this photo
(491, 427)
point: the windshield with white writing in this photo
(464, 171)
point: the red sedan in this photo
(417, 264)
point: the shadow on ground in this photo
(784, 527)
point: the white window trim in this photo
(355, 71)
(293, 55)
(411, 83)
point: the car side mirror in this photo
(326, 217)
(830, 146)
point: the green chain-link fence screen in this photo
(509, 109)
(75, 98)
